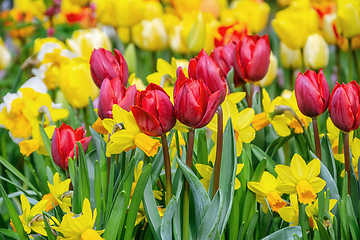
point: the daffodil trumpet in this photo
(219, 147)
(168, 193)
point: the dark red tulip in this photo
(153, 111)
(194, 103)
(312, 93)
(114, 92)
(252, 57)
(205, 68)
(105, 65)
(344, 106)
(63, 142)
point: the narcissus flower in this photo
(300, 178)
(355, 152)
(312, 211)
(291, 213)
(126, 134)
(266, 189)
(81, 226)
(59, 194)
(36, 143)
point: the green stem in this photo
(168, 193)
(317, 139)
(186, 185)
(347, 159)
(302, 67)
(219, 147)
(356, 64)
(177, 144)
(247, 94)
(308, 140)
(350, 64)
(291, 77)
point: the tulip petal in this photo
(259, 64)
(147, 122)
(212, 105)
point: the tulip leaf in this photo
(353, 223)
(117, 217)
(84, 174)
(19, 175)
(92, 114)
(13, 215)
(97, 190)
(344, 220)
(177, 230)
(152, 212)
(76, 201)
(201, 197)
(166, 221)
(202, 150)
(328, 156)
(285, 233)
(47, 143)
(277, 144)
(135, 201)
(260, 154)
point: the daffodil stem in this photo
(350, 64)
(347, 159)
(168, 193)
(186, 185)
(219, 147)
(317, 139)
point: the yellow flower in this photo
(316, 52)
(59, 194)
(279, 122)
(79, 227)
(271, 74)
(32, 218)
(205, 171)
(299, 16)
(5, 56)
(196, 39)
(300, 178)
(291, 213)
(348, 18)
(129, 12)
(290, 58)
(265, 189)
(241, 120)
(150, 35)
(312, 211)
(355, 152)
(76, 83)
(36, 143)
(106, 12)
(130, 137)
(84, 41)
(36, 7)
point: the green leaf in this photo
(135, 201)
(166, 221)
(97, 190)
(202, 150)
(252, 225)
(13, 215)
(285, 233)
(152, 212)
(201, 197)
(117, 217)
(330, 182)
(9, 233)
(344, 220)
(354, 227)
(328, 156)
(92, 114)
(19, 175)
(47, 143)
(322, 231)
(260, 154)
(50, 234)
(277, 144)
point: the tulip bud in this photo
(205, 68)
(316, 52)
(194, 103)
(312, 93)
(63, 142)
(344, 106)
(114, 92)
(105, 65)
(252, 57)
(153, 111)
(290, 58)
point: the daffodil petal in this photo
(284, 172)
(298, 167)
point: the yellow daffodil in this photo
(241, 120)
(312, 211)
(265, 189)
(355, 152)
(76, 83)
(205, 171)
(81, 226)
(32, 218)
(279, 122)
(291, 213)
(5, 56)
(36, 143)
(36, 7)
(300, 178)
(59, 194)
(130, 137)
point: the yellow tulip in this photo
(106, 12)
(295, 23)
(153, 8)
(35, 7)
(150, 35)
(129, 12)
(316, 52)
(76, 83)
(5, 56)
(328, 28)
(290, 58)
(348, 18)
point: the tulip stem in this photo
(186, 185)
(247, 93)
(219, 147)
(168, 193)
(347, 159)
(350, 64)
(252, 86)
(317, 138)
(356, 64)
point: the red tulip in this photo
(194, 103)
(63, 142)
(252, 57)
(153, 111)
(344, 106)
(229, 33)
(114, 92)
(224, 58)
(105, 65)
(312, 93)
(205, 68)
